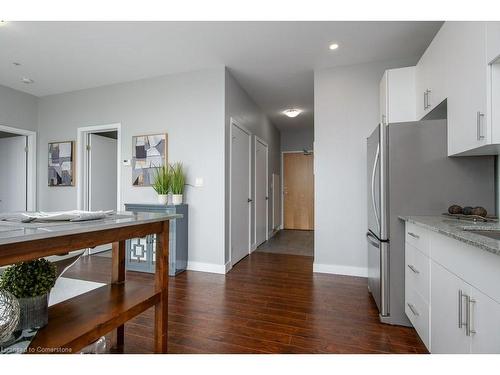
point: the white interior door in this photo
(102, 173)
(102, 177)
(13, 169)
(261, 191)
(240, 193)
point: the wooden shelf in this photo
(79, 321)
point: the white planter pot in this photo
(176, 199)
(163, 199)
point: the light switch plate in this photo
(198, 182)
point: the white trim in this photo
(81, 161)
(338, 269)
(232, 122)
(264, 143)
(31, 203)
(282, 184)
(209, 267)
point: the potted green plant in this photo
(177, 182)
(161, 184)
(30, 282)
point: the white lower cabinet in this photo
(485, 323)
(458, 317)
(446, 336)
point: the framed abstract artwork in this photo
(61, 164)
(148, 153)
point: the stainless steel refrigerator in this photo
(409, 173)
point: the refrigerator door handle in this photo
(372, 240)
(374, 171)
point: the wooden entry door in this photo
(298, 190)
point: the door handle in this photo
(461, 296)
(267, 198)
(412, 267)
(468, 316)
(416, 236)
(249, 200)
(372, 240)
(413, 309)
(479, 118)
(374, 171)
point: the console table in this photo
(140, 252)
(79, 321)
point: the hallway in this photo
(292, 242)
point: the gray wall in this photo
(346, 106)
(18, 109)
(189, 107)
(243, 109)
(297, 140)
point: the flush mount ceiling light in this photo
(292, 112)
(27, 80)
(333, 46)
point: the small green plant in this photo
(178, 178)
(29, 279)
(161, 183)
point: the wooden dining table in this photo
(77, 322)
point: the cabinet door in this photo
(446, 336)
(467, 86)
(485, 321)
(430, 75)
(493, 41)
(421, 83)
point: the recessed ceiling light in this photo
(333, 46)
(292, 112)
(27, 80)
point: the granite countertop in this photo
(13, 232)
(459, 230)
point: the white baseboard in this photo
(340, 270)
(209, 267)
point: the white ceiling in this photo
(273, 61)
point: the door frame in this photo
(82, 163)
(232, 122)
(282, 187)
(31, 203)
(264, 143)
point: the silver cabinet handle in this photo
(461, 296)
(413, 309)
(479, 118)
(412, 267)
(425, 99)
(468, 316)
(414, 235)
(428, 98)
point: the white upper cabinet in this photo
(467, 82)
(397, 95)
(430, 76)
(457, 66)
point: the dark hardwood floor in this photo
(268, 303)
